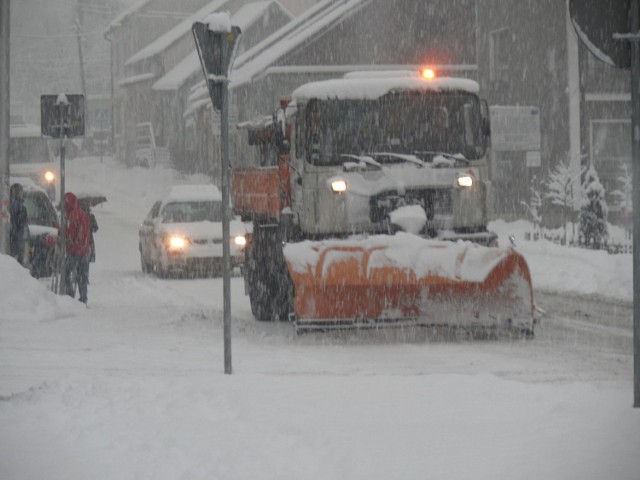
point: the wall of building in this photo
(522, 61)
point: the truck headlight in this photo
(338, 185)
(465, 181)
(240, 240)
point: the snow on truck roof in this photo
(356, 87)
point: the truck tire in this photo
(270, 288)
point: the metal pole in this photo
(635, 168)
(62, 285)
(101, 140)
(113, 109)
(226, 258)
(4, 126)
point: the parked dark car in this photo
(43, 228)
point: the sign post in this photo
(216, 42)
(4, 126)
(610, 29)
(62, 116)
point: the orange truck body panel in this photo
(260, 191)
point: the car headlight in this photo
(465, 181)
(49, 177)
(177, 242)
(240, 240)
(338, 185)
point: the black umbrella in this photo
(90, 199)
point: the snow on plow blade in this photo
(405, 279)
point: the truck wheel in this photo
(270, 288)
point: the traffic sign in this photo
(216, 49)
(62, 115)
(597, 22)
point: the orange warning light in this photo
(428, 73)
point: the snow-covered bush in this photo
(594, 211)
(559, 189)
(624, 197)
(534, 207)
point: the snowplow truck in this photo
(369, 208)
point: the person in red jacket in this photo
(78, 247)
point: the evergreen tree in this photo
(624, 196)
(594, 211)
(560, 190)
(534, 206)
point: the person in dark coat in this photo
(78, 248)
(93, 228)
(19, 226)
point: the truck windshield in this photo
(418, 123)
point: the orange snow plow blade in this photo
(404, 279)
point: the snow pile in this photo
(24, 298)
(575, 270)
(410, 218)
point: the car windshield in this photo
(195, 211)
(39, 209)
(416, 123)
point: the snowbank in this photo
(23, 298)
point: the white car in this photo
(182, 234)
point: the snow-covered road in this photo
(133, 387)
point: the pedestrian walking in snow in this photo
(78, 247)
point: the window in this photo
(412, 122)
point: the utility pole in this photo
(79, 23)
(635, 181)
(4, 126)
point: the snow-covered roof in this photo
(325, 15)
(190, 65)
(372, 88)
(195, 106)
(258, 59)
(179, 74)
(116, 22)
(252, 12)
(24, 130)
(135, 79)
(173, 35)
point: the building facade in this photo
(529, 55)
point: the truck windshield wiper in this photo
(406, 157)
(458, 157)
